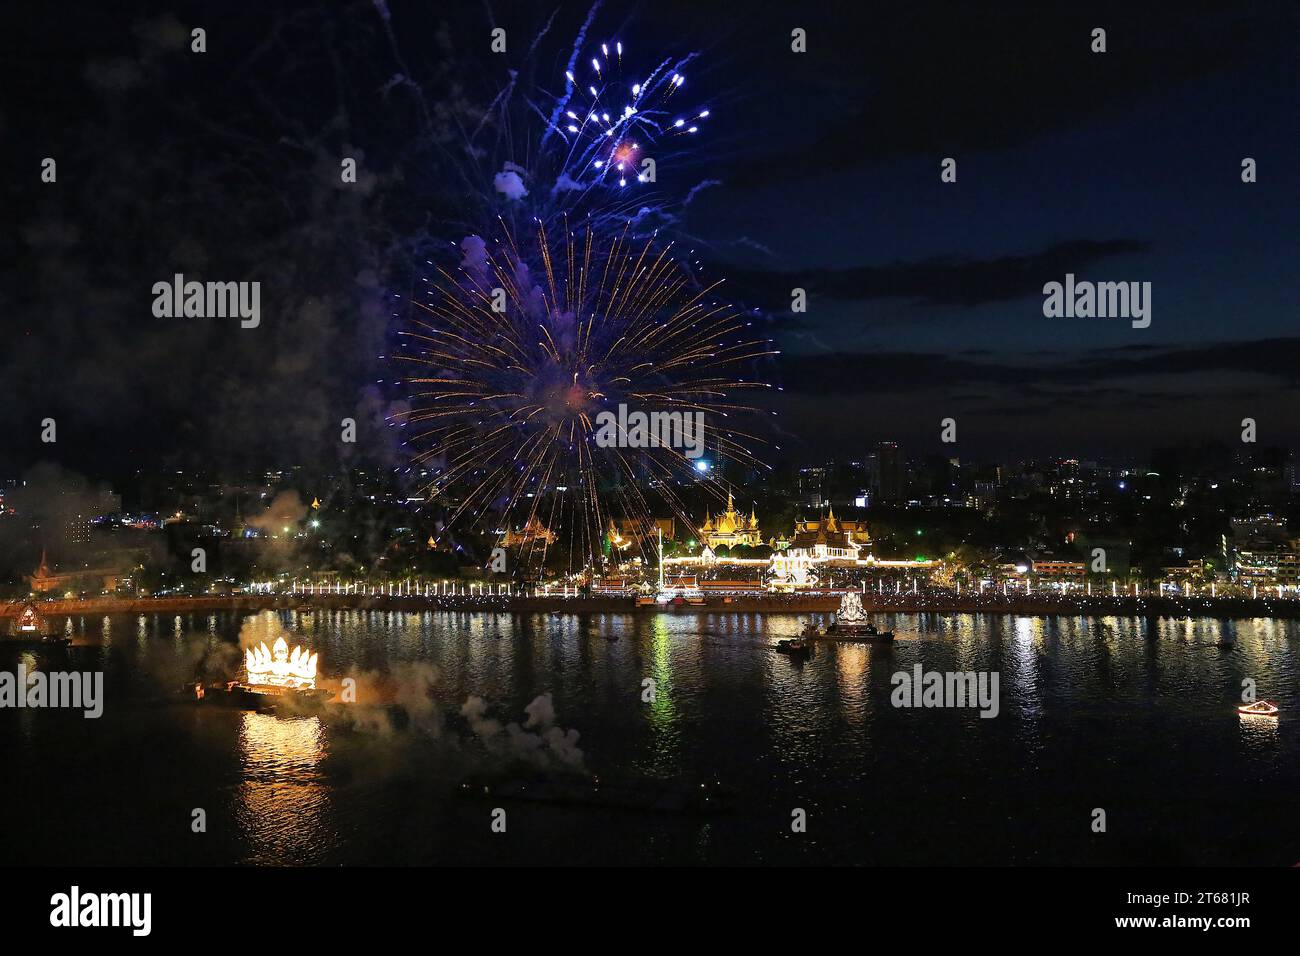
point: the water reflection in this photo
(283, 802)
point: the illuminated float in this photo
(272, 675)
(30, 633)
(280, 668)
(29, 622)
(851, 622)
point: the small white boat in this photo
(1260, 708)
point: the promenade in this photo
(927, 602)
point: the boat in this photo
(30, 633)
(1259, 708)
(646, 600)
(680, 597)
(275, 675)
(261, 697)
(812, 631)
(795, 647)
(851, 622)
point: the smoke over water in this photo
(539, 742)
(401, 702)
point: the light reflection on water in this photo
(1134, 715)
(283, 802)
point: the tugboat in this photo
(851, 622)
(796, 648)
(30, 633)
(812, 631)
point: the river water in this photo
(1129, 716)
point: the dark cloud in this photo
(948, 280)
(952, 79)
(1275, 360)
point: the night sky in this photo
(820, 170)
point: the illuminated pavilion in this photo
(731, 529)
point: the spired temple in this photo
(807, 559)
(731, 529)
(43, 579)
(532, 533)
(841, 533)
(817, 544)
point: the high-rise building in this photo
(888, 473)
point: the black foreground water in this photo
(1132, 716)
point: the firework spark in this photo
(610, 117)
(519, 351)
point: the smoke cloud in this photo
(539, 742)
(286, 510)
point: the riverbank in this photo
(934, 602)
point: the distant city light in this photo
(702, 465)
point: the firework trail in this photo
(590, 145)
(527, 342)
